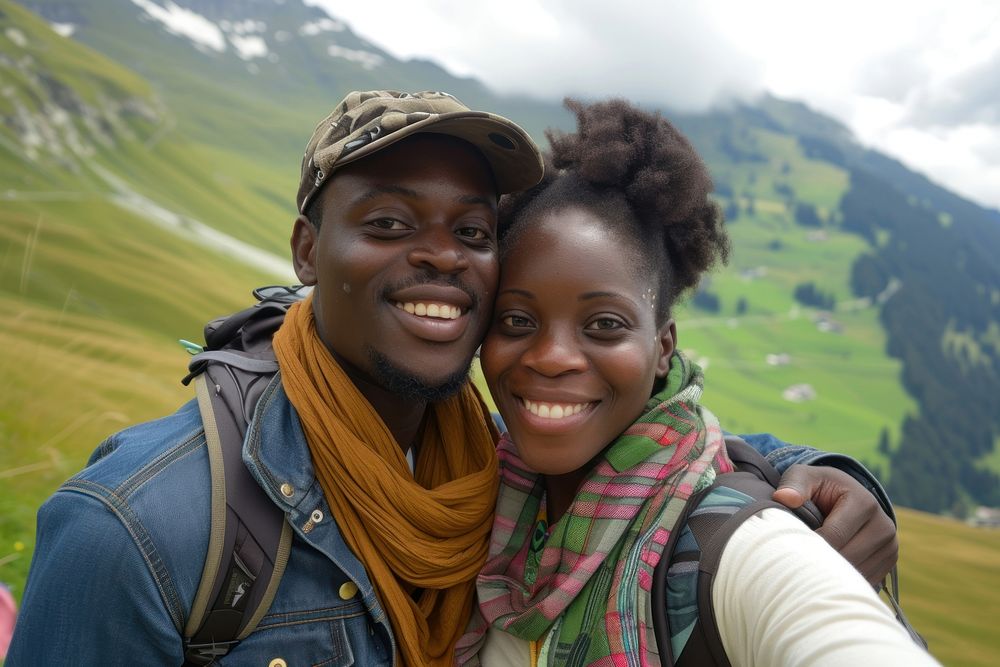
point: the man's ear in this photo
(305, 238)
(666, 337)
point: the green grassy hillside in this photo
(95, 292)
(949, 578)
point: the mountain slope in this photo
(929, 269)
(762, 344)
(95, 289)
(260, 65)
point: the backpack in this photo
(711, 526)
(249, 538)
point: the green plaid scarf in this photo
(588, 582)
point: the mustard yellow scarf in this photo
(422, 537)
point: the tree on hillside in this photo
(942, 274)
(868, 276)
(732, 211)
(883, 442)
(809, 295)
(820, 149)
(705, 300)
(785, 191)
(806, 215)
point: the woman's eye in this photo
(516, 321)
(605, 324)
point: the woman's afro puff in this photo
(623, 155)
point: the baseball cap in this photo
(366, 122)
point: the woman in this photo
(607, 440)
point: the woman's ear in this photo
(666, 338)
(304, 241)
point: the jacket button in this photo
(277, 662)
(348, 590)
(287, 491)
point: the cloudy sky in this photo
(919, 80)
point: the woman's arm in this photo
(783, 597)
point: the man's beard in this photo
(406, 385)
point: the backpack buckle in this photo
(206, 654)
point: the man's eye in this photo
(473, 233)
(388, 224)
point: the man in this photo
(370, 440)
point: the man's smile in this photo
(433, 310)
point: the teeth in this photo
(439, 310)
(553, 410)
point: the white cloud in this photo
(965, 159)
(920, 81)
(652, 52)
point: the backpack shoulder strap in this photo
(249, 538)
(749, 460)
(711, 519)
(249, 543)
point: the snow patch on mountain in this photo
(245, 27)
(321, 25)
(63, 29)
(185, 23)
(366, 59)
(245, 36)
(249, 46)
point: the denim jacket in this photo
(121, 546)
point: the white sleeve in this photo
(783, 597)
